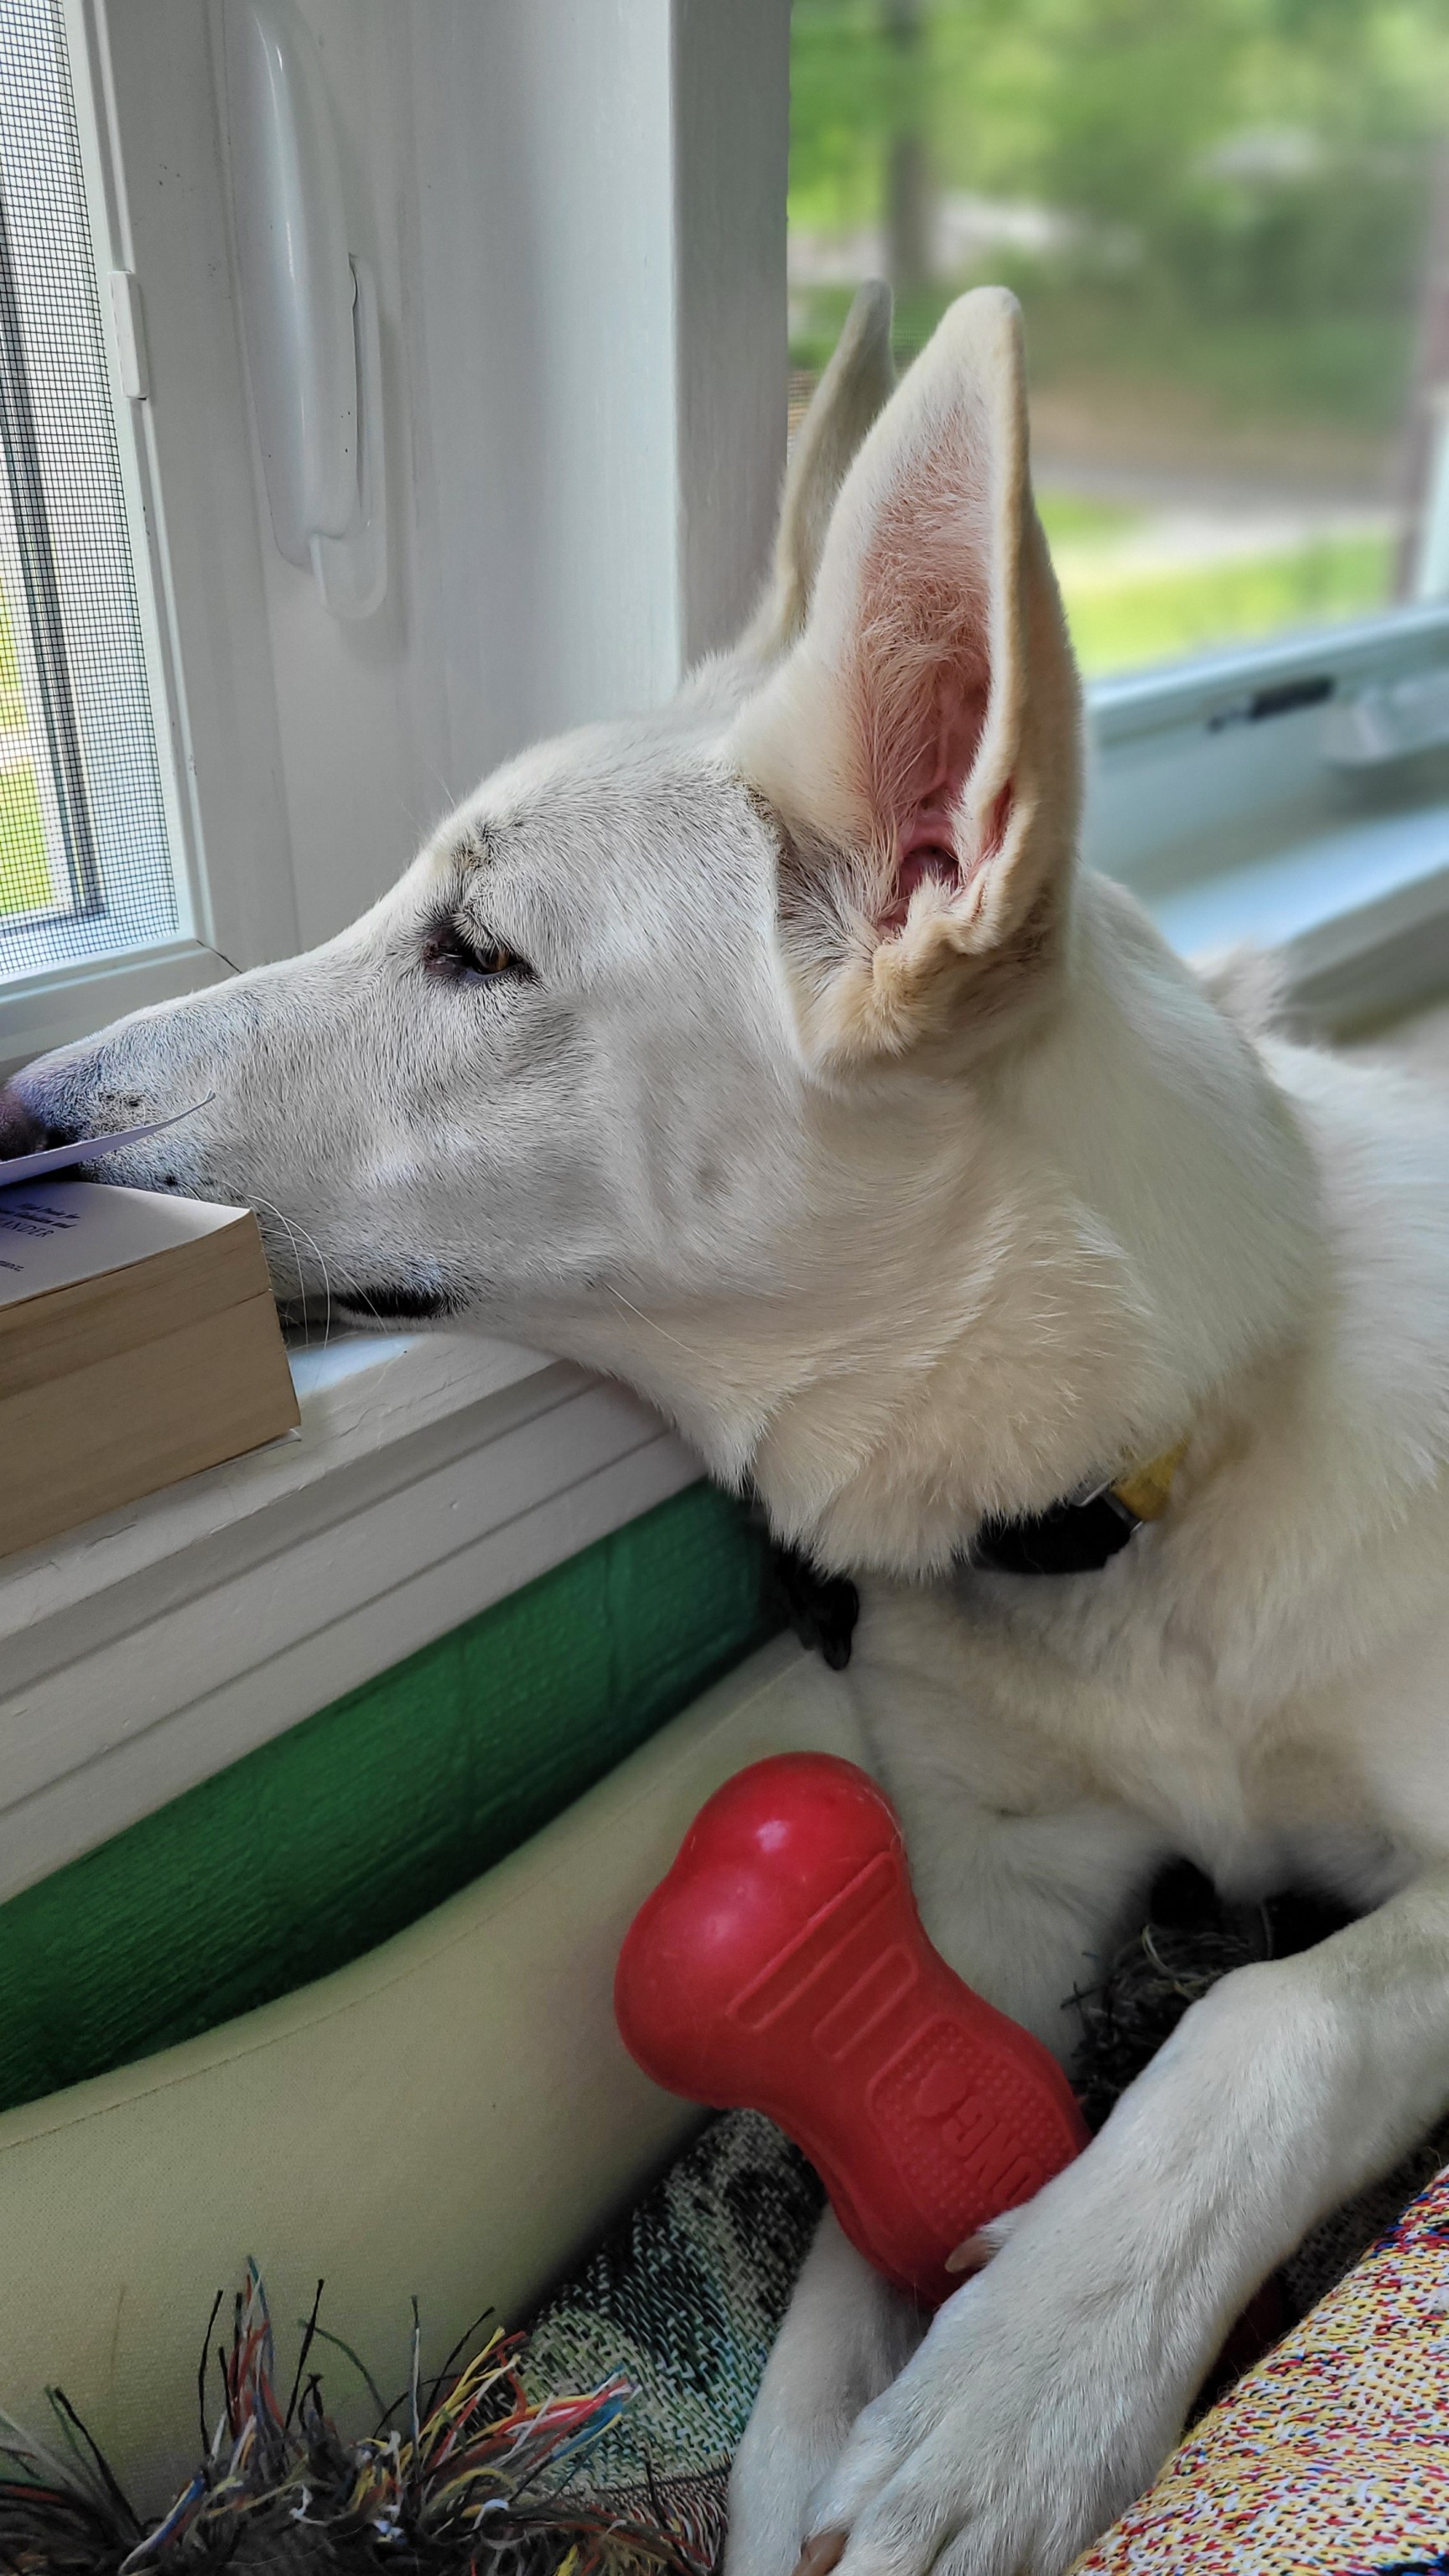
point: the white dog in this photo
(773, 1053)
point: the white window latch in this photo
(309, 309)
(1388, 720)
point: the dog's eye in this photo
(451, 955)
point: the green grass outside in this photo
(24, 869)
(12, 701)
(1076, 518)
(25, 884)
(1164, 616)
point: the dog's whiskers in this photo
(691, 1348)
(270, 1208)
(326, 1278)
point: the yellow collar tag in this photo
(1147, 1491)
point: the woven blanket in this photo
(1329, 2458)
(686, 2296)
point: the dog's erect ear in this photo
(919, 745)
(855, 386)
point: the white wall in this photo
(575, 210)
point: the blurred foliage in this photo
(1074, 518)
(1134, 620)
(1222, 172)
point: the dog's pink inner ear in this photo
(923, 684)
(926, 822)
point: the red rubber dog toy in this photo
(782, 1965)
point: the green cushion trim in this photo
(339, 1832)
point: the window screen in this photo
(84, 864)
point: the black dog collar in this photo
(1078, 1536)
(1073, 1537)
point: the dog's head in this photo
(678, 1049)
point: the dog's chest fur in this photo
(1258, 1681)
(969, 1705)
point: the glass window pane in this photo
(1228, 223)
(84, 865)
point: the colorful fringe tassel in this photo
(448, 2484)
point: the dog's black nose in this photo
(21, 1132)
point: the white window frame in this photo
(582, 288)
(583, 314)
(197, 581)
(1219, 793)
(432, 1475)
(582, 508)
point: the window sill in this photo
(50, 1008)
(1357, 912)
(432, 1474)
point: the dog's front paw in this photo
(845, 2337)
(1030, 2416)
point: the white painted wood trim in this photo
(46, 1011)
(731, 106)
(147, 121)
(433, 1474)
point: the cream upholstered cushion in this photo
(451, 2116)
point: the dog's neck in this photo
(1045, 1278)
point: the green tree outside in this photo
(1232, 201)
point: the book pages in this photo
(53, 1233)
(86, 1149)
